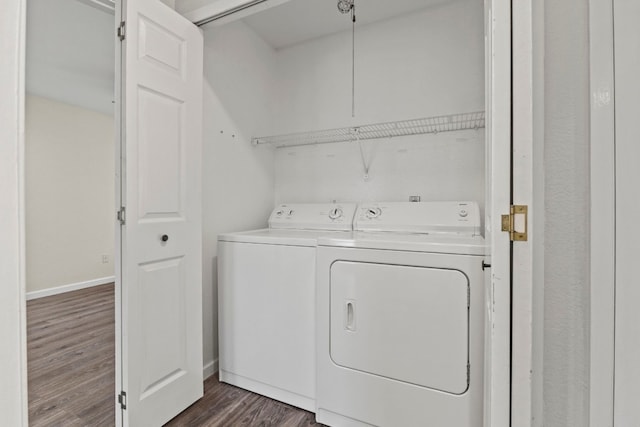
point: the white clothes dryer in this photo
(400, 318)
(266, 301)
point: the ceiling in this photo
(70, 45)
(71, 53)
(297, 21)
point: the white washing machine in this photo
(266, 301)
(400, 318)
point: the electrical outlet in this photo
(105, 259)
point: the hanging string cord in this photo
(353, 59)
(365, 164)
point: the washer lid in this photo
(313, 216)
(280, 237)
(423, 217)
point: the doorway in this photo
(69, 206)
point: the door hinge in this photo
(120, 215)
(122, 399)
(509, 223)
(121, 31)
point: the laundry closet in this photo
(293, 95)
(280, 72)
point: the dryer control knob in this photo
(335, 213)
(463, 213)
(373, 213)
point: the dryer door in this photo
(409, 324)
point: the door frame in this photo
(527, 304)
(13, 357)
(498, 97)
(602, 213)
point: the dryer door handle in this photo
(350, 315)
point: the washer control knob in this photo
(335, 213)
(373, 213)
(463, 213)
(280, 212)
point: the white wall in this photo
(443, 167)
(71, 53)
(427, 63)
(424, 64)
(13, 393)
(69, 194)
(566, 252)
(238, 183)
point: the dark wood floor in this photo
(71, 356)
(72, 372)
(225, 405)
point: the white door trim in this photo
(602, 213)
(528, 189)
(13, 359)
(497, 399)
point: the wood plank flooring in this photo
(71, 359)
(225, 405)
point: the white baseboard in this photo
(68, 288)
(210, 368)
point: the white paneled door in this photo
(627, 135)
(160, 296)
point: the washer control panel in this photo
(421, 217)
(313, 216)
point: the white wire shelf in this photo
(433, 125)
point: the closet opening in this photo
(69, 199)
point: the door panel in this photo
(161, 47)
(162, 324)
(161, 284)
(160, 143)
